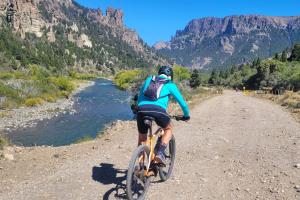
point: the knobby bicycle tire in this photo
(166, 172)
(132, 174)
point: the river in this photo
(96, 106)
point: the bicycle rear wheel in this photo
(137, 184)
(165, 172)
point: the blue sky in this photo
(157, 20)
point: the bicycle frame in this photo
(150, 142)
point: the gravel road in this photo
(235, 147)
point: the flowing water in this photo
(96, 106)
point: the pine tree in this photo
(295, 56)
(276, 57)
(195, 79)
(258, 62)
(214, 77)
(284, 56)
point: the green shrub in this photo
(49, 97)
(84, 76)
(34, 102)
(124, 79)
(63, 83)
(84, 139)
(181, 73)
(12, 96)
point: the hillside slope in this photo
(235, 147)
(219, 42)
(63, 34)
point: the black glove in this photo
(182, 118)
(134, 108)
(186, 118)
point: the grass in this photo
(4, 141)
(290, 100)
(34, 102)
(84, 139)
(34, 86)
(194, 97)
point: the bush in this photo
(63, 83)
(124, 79)
(181, 73)
(84, 76)
(49, 97)
(11, 96)
(34, 102)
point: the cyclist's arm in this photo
(146, 83)
(179, 98)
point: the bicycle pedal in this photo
(158, 163)
(152, 172)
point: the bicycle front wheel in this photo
(165, 172)
(137, 184)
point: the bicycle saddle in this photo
(148, 120)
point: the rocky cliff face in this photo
(27, 18)
(56, 20)
(218, 42)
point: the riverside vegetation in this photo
(270, 76)
(35, 85)
(276, 78)
(185, 79)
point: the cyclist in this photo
(153, 101)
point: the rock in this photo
(56, 155)
(297, 165)
(297, 187)
(18, 149)
(8, 156)
(273, 190)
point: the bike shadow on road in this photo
(106, 174)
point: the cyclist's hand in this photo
(186, 119)
(182, 118)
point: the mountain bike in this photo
(143, 165)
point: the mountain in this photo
(64, 34)
(219, 42)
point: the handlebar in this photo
(180, 118)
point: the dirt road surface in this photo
(235, 147)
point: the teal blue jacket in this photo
(168, 89)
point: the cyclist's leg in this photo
(141, 128)
(164, 121)
(167, 135)
(142, 138)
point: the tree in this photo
(195, 79)
(181, 73)
(214, 77)
(295, 56)
(276, 57)
(284, 56)
(258, 61)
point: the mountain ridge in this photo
(101, 40)
(211, 42)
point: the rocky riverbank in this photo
(28, 116)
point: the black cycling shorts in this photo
(160, 115)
